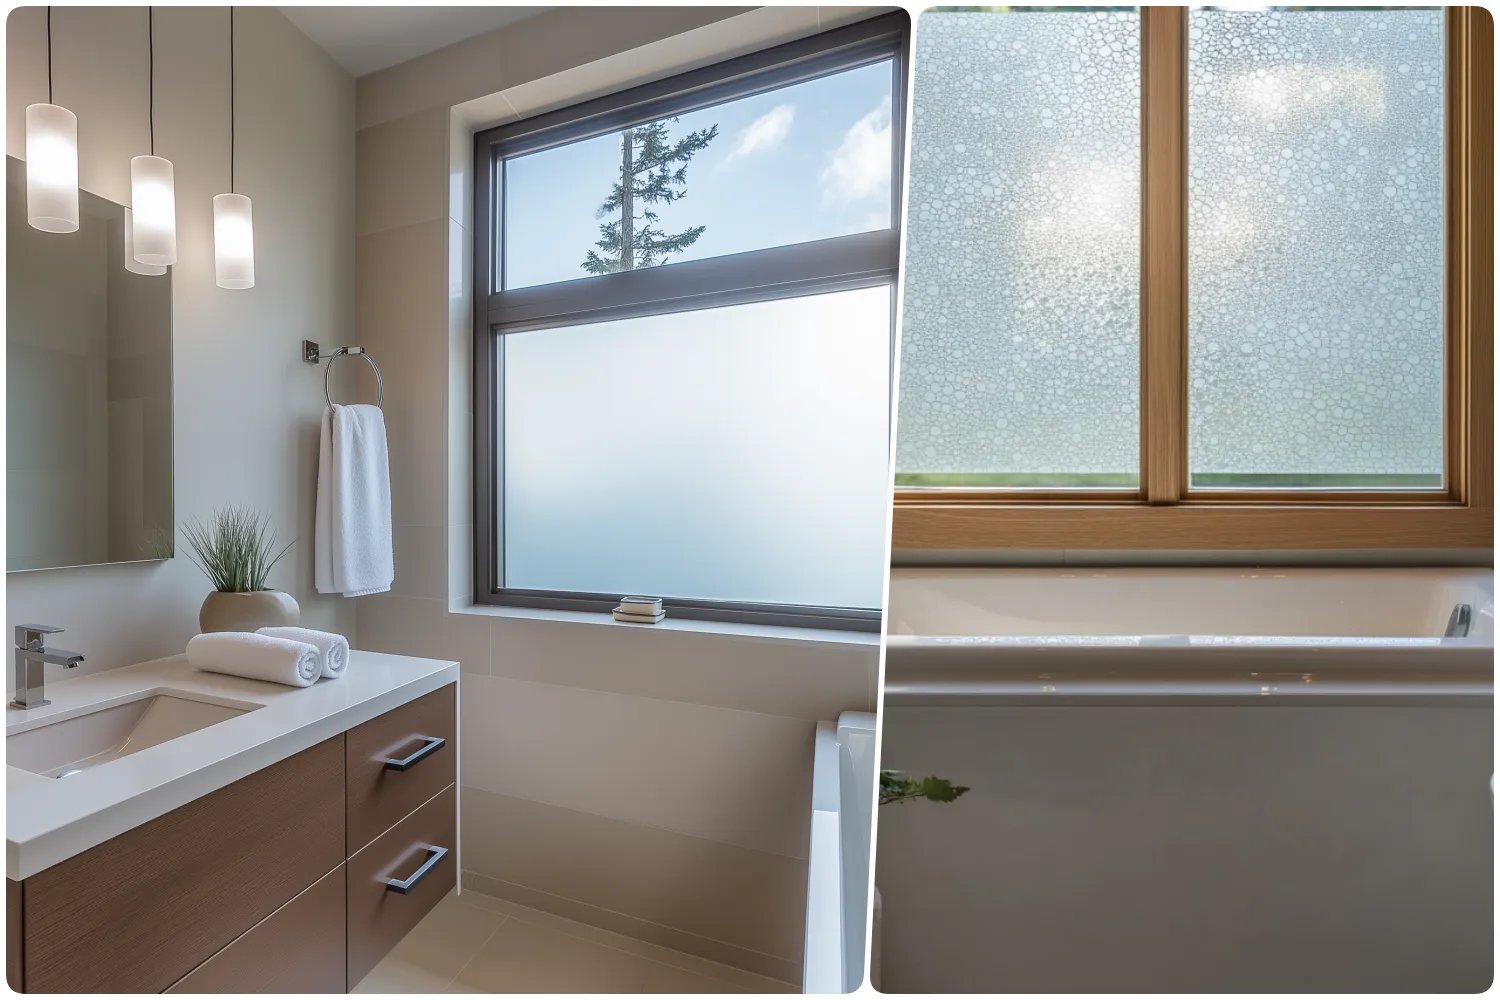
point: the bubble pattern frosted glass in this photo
(1020, 337)
(1315, 248)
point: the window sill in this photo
(763, 633)
(954, 524)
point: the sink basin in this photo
(67, 746)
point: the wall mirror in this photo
(88, 354)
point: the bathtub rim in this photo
(946, 670)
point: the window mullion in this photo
(1470, 313)
(1163, 254)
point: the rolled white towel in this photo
(334, 647)
(258, 657)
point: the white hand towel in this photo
(333, 647)
(258, 657)
(353, 554)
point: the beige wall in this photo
(655, 782)
(246, 409)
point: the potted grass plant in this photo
(236, 550)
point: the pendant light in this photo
(234, 236)
(153, 194)
(131, 264)
(51, 161)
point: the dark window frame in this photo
(861, 260)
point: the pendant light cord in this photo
(231, 99)
(49, 55)
(151, 76)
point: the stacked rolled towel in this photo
(333, 647)
(259, 657)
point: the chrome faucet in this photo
(31, 660)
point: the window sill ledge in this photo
(763, 633)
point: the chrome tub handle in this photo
(1458, 622)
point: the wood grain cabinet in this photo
(295, 879)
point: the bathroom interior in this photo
(477, 765)
(1191, 607)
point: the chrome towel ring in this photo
(310, 354)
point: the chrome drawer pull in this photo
(434, 743)
(406, 885)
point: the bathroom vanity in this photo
(264, 839)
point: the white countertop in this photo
(49, 820)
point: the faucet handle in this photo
(27, 635)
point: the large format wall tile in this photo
(415, 439)
(552, 42)
(402, 173)
(713, 891)
(403, 307)
(736, 777)
(420, 626)
(421, 561)
(797, 678)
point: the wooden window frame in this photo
(1164, 513)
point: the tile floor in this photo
(479, 944)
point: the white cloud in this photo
(861, 166)
(764, 134)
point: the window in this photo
(1202, 278)
(684, 361)
(1020, 361)
(1315, 248)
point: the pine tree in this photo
(653, 171)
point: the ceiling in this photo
(366, 39)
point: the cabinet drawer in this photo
(297, 949)
(139, 912)
(379, 916)
(381, 793)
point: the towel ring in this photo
(310, 354)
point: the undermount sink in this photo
(67, 746)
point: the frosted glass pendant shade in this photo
(131, 264)
(154, 199)
(234, 242)
(51, 168)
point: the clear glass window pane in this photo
(1315, 248)
(806, 162)
(736, 453)
(1020, 350)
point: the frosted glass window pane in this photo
(806, 162)
(737, 453)
(1315, 248)
(1020, 333)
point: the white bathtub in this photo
(838, 860)
(1304, 634)
(1189, 780)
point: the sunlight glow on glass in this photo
(1316, 248)
(154, 200)
(234, 242)
(51, 168)
(1020, 346)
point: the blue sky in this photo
(807, 162)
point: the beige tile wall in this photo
(653, 782)
(246, 408)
